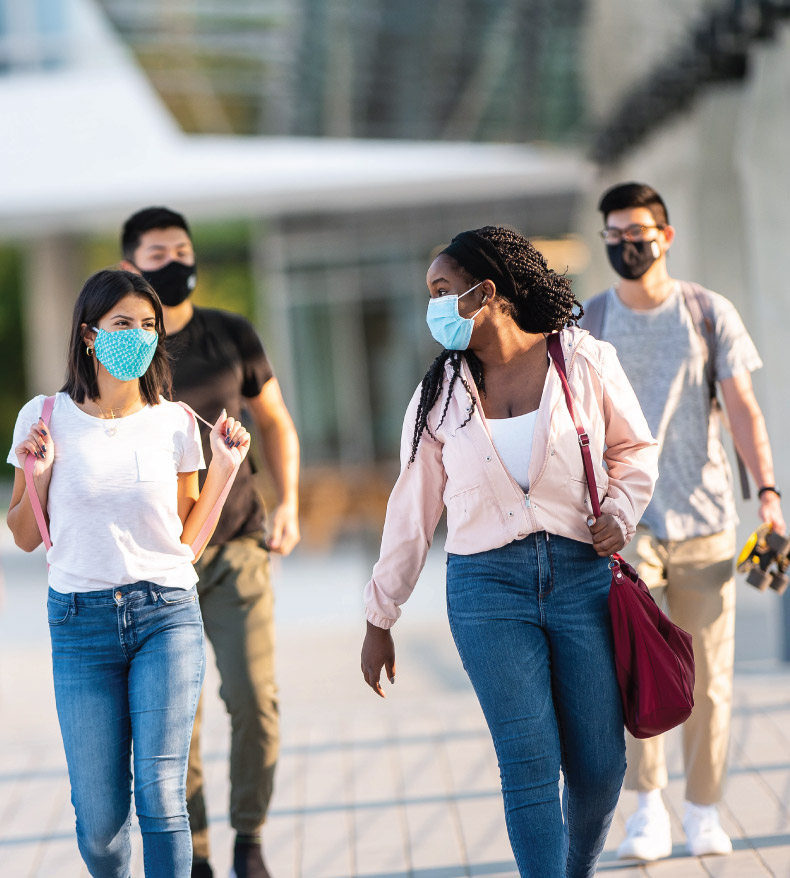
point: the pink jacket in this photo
(486, 508)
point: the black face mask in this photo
(631, 259)
(173, 282)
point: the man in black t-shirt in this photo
(219, 363)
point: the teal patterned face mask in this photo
(126, 353)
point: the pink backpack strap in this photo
(216, 509)
(30, 461)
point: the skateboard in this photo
(765, 558)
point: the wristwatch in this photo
(772, 488)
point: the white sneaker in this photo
(648, 835)
(704, 834)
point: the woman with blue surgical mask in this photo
(113, 465)
(488, 436)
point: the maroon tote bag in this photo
(653, 656)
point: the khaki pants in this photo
(237, 604)
(693, 581)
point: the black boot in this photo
(248, 860)
(202, 870)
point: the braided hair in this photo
(542, 301)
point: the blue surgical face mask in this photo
(452, 331)
(126, 353)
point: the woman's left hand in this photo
(230, 442)
(607, 535)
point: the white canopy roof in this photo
(83, 147)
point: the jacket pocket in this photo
(462, 506)
(580, 495)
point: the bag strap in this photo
(216, 509)
(594, 314)
(30, 462)
(698, 304)
(558, 357)
(38, 512)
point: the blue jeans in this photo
(128, 665)
(531, 624)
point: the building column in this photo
(53, 278)
(765, 186)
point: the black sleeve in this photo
(256, 369)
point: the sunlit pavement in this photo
(402, 788)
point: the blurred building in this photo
(340, 229)
(444, 70)
(351, 137)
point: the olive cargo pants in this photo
(237, 604)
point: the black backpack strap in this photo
(594, 313)
(699, 305)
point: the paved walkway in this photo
(402, 788)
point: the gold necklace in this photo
(112, 429)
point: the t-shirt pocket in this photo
(155, 465)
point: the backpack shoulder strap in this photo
(35, 502)
(698, 303)
(594, 313)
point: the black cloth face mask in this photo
(631, 259)
(173, 282)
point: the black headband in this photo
(482, 260)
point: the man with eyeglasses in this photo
(678, 342)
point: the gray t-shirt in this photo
(664, 359)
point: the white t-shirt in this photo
(113, 499)
(512, 438)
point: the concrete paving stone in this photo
(741, 864)
(755, 809)
(494, 869)
(328, 849)
(619, 870)
(677, 866)
(434, 838)
(775, 853)
(484, 832)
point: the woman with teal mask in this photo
(115, 471)
(488, 436)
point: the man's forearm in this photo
(281, 451)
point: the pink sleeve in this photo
(631, 453)
(413, 511)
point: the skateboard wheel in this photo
(779, 582)
(759, 579)
(777, 543)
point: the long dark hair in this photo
(101, 292)
(542, 301)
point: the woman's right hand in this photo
(39, 443)
(378, 651)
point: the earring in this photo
(89, 350)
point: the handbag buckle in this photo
(584, 440)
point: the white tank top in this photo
(512, 439)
